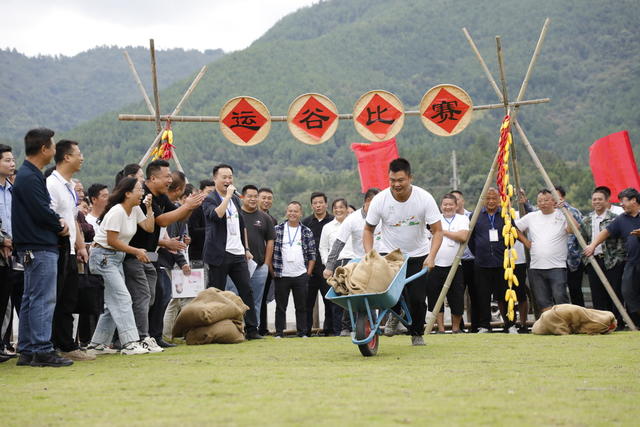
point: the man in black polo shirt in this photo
(225, 248)
(261, 235)
(627, 227)
(140, 277)
(317, 281)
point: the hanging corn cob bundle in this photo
(164, 150)
(509, 233)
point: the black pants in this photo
(467, 266)
(599, 295)
(160, 303)
(66, 300)
(318, 283)
(574, 282)
(11, 282)
(455, 294)
(415, 293)
(487, 281)
(297, 285)
(340, 317)
(235, 266)
(264, 330)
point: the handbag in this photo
(90, 293)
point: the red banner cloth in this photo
(613, 164)
(373, 163)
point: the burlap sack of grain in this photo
(339, 279)
(228, 331)
(374, 273)
(565, 319)
(208, 307)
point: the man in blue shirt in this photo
(36, 228)
(627, 227)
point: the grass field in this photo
(466, 379)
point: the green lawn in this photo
(453, 380)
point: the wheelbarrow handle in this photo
(418, 274)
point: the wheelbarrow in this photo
(362, 308)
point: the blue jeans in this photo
(38, 302)
(118, 312)
(257, 283)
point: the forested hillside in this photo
(589, 67)
(61, 92)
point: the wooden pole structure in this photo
(216, 119)
(176, 111)
(154, 79)
(502, 94)
(574, 228)
(454, 167)
(139, 83)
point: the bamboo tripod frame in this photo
(155, 112)
(502, 94)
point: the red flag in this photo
(373, 163)
(613, 164)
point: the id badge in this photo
(290, 256)
(232, 230)
(493, 235)
(451, 243)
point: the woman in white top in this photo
(117, 225)
(330, 231)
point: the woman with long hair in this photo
(132, 170)
(117, 225)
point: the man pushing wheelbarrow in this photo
(403, 212)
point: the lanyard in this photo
(492, 220)
(449, 222)
(229, 211)
(73, 193)
(292, 241)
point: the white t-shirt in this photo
(548, 236)
(63, 202)
(403, 225)
(234, 242)
(595, 229)
(351, 230)
(616, 209)
(292, 258)
(449, 247)
(92, 220)
(118, 220)
(519, 247)
(328, 237)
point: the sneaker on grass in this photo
(417, 340)
(150, 344)
(134, 347)
(99, 349)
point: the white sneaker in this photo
(99, 349)
(513, 329)
(483, 331)
(134, 347)
(150, 344)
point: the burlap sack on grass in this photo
(373, 274)
(565, 319)
(210, 306)
(226, 331)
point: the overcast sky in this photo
(71, 26)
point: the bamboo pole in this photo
(503, 78)
(154, 78)
(483, 64)
(170, 116)
(132, 67)
(215, 119)
(431, 316)
(534, 58)
(189, 91)
(574, 228)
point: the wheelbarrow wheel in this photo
(363, 329)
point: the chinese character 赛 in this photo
(445, 110)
